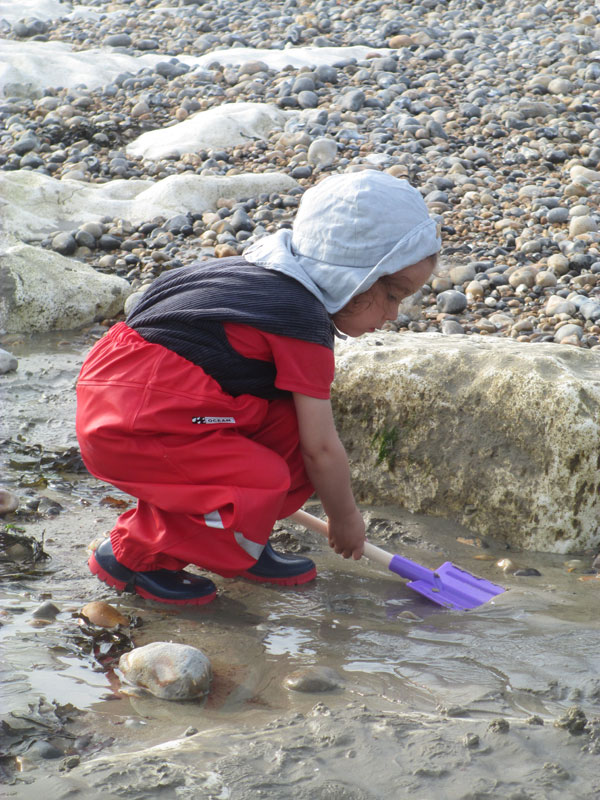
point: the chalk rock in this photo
(496, 434)
(579, 174)
(582, 224)
(218, 128)
(168, 670)
(32, 203)
(8, 363)
(44, 291)
(322, 152)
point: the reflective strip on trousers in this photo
(253, 549)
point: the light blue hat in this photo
(350, 230)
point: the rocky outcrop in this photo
(496, 434)
(33, 204)
(43, 291)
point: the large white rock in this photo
(12, 11)
(221, 127)
(28, 67)
(43, 291)
(32, 204)
(501, 436)
(168, 670)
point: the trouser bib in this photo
(211, 472)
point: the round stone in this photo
(308, 99)
(313, 679)
(322, 152)
(579, 225)
(64, 243)
(168, 670)
(566, 332)
(556, 216)
(451, 327)
(461, 274)
(451, 302)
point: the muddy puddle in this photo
(498, 702)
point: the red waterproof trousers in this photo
(211, 472)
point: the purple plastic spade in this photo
(448, 586)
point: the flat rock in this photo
(224, 126)
(32, 204)
(44, 291)
(430, 420)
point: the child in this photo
(210, 404)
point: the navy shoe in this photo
(164, 585)
(284, 570)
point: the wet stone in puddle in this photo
(313, 679)
(46, 612)
(168, 670)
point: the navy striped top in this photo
(184, 310)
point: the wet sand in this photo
(429, 703)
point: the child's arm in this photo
(327, 467)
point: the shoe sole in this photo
(292, 580)
(108, 579)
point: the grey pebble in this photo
(313, 679)
(558, 215)
(528, 572)
(64, 243)
(451, 327)
(118, 40)
(47, 611)
(451, 301)
(308, 99)
(353, 100)
(568, 330)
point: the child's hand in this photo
(347, 535)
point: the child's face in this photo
(368, 311)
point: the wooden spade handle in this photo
(317, 525)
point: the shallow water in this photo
(415, 679)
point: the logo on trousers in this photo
(212, 420)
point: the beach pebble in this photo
(462, 274)
(103, 614)
(452, 327)
(527, 572)
(322, 152)
(582, 224)
(9, 502)
(566, 333)
(168, 670)
(451, 302)
(557, 216)
(313, 679)
(47, 611)
(559, 305)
